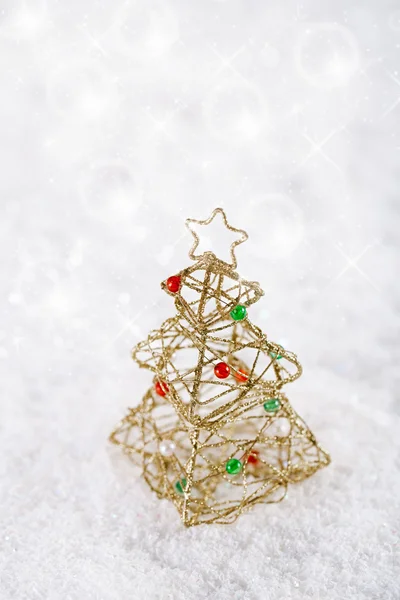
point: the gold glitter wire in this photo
(243, 235)
(216, 447)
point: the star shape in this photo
(217, 211)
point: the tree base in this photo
(189, 464)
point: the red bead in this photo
(161, 388)
(174, 283)
(241, 375)
(222, 370)
(252, 457)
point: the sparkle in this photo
(227, 63)
(317, 149)
(95, 43)
(351, 263)
(129, 324)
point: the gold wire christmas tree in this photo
(215, 434)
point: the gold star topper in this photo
(243, 235)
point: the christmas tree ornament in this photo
(252, 457)
(161, 388)
(239, 312)
(180, 486)
(272, 405)
(215, 434)
(241, 375)
(173, 283)
(222, 370)
(233, 466)
(167, 447)
(277, 354)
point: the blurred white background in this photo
(119, 119)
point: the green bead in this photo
(180, 486)
(272, 405)
(238, 313)
(275, 354)
(233, 466)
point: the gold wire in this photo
(206, 432)
(243, 235)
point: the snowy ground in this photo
(119, 120)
